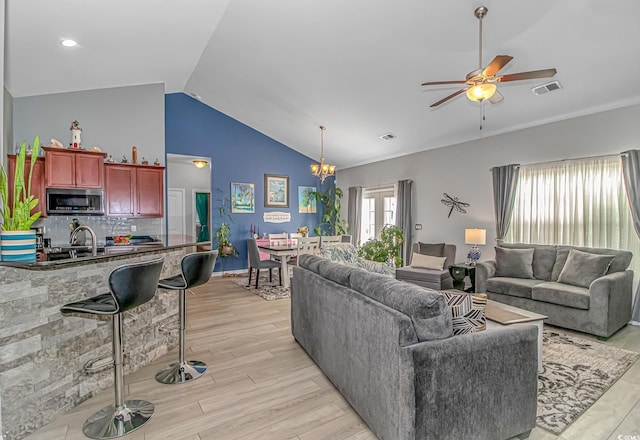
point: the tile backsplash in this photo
(57, 227)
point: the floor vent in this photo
(550, 87)
(387, 136)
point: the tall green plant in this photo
(387, 249)
(332, 222)
(16, 216)
(223, 226)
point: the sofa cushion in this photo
(620, 263)
(426, 308)
(544, 257)
(310, 261)
(428, 275)
(467, 311)
(581, 268)
(339, 252)
(514, 263)
(421, 261)
(433, 249)
(512, 286)
(561, 294)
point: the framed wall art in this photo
(276, 191)
(306, 199)
(242, 198)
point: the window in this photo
(378, 210)
(575, 202)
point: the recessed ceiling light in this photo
(69, 43)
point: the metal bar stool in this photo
(196, 270)
(130, 286)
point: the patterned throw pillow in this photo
(467, 311)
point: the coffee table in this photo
(501, 315)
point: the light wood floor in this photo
(262, 385)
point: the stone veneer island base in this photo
(42, 352)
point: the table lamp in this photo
(475, 237)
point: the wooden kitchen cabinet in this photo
(134, 190)
(37, 182)
(74, 169)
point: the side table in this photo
(459, 271)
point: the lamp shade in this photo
(475, 236)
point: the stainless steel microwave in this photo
(62, 201)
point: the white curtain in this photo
(579, 202)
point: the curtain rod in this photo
(602, 156)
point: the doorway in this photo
(184, 181)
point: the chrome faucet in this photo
(94, 243)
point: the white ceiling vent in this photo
(549, 87)
(387, 136)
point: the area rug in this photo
(266, 290)
(576, 373)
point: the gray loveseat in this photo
(388, 347)
(591, 297)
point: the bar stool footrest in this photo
(112, 422)
(181, 372)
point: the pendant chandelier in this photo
(322, 170)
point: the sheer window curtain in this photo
(579, 202)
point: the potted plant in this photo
(223, 231)
(18, 241)
(332, 223)
(387, 249)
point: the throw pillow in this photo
(514, 263)
(434, 249)
(467, 311)
(427, 261)
(582, 268)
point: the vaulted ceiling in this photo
(284, 67)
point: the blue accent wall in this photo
(239, 154)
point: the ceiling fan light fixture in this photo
(480, 92)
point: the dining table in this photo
(284, 252)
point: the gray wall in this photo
(7, 125)
(462, 170)
(114, 119)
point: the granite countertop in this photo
(111, 253)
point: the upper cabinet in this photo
(134, 190)
(74, 169)
(37, 182)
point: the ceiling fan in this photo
(481, 83)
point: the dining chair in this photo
(294, 237)
(278, 239)
(256, 263)
(306, 245)
(324, 239)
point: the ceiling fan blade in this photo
(496, 98)
(544, 73)
(453, 95)
(438, 83)
(498, 63)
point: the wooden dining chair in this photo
(278, 239)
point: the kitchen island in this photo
(43, 353)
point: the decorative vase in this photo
(19, 246)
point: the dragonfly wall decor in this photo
(454, 203)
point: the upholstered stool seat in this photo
(196, 270)
(130, 286)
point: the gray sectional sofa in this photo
(584, 290)
(388, 347)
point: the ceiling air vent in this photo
(549, 87)
(387, 136)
